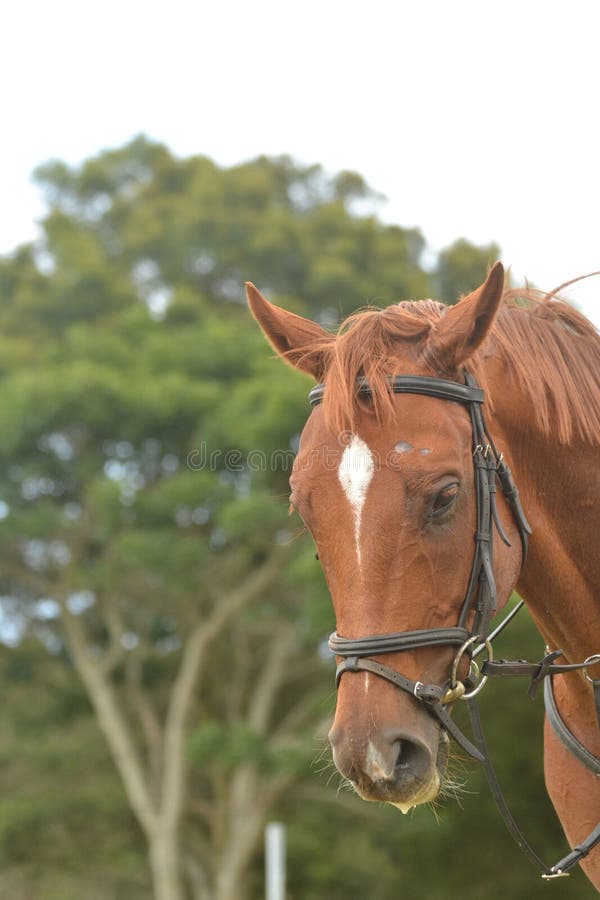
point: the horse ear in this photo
(464, 327)
(292, 336)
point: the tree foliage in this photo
(462, 266)
(166, 612)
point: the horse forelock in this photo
(370, 344)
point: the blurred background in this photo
(165, 687)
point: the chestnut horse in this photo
(384, 481)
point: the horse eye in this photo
(444, 499)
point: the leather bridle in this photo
(481, 594)
(480, 601)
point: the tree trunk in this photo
(165, 866)
(158, 802)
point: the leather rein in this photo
(481, 600)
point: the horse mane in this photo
(550, 351)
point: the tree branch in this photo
(296, 717)
(115, 652)
(193, 658)
(147, 717)
(112, 722)
(271, 678)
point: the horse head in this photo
(384, 481)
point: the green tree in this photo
(123, 391)
(461, 266)
(63, 814)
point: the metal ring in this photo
(457, 658)
(453, 694)
(453, 679)
(590, 661)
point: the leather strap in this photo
(564, 733)
(492, 780)
(414, 384)
(545, 668)
(576, 854)
(430, 694)
(395, 642)
(568, 738)
(589, 760)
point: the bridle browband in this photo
(481, 601)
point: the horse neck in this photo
(559, 490)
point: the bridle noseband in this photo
(481, 600)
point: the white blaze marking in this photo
(355, 473)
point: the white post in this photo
(275, 861)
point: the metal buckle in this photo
(590, 661)
(549, 876)
(418, 684)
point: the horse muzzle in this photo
(402, 765)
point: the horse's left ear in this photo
(465, 326)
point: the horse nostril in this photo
(394, 759)
(388, 766)
(410, 758)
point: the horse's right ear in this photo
(466, 325)
(299, 341)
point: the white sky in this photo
(475, 119)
